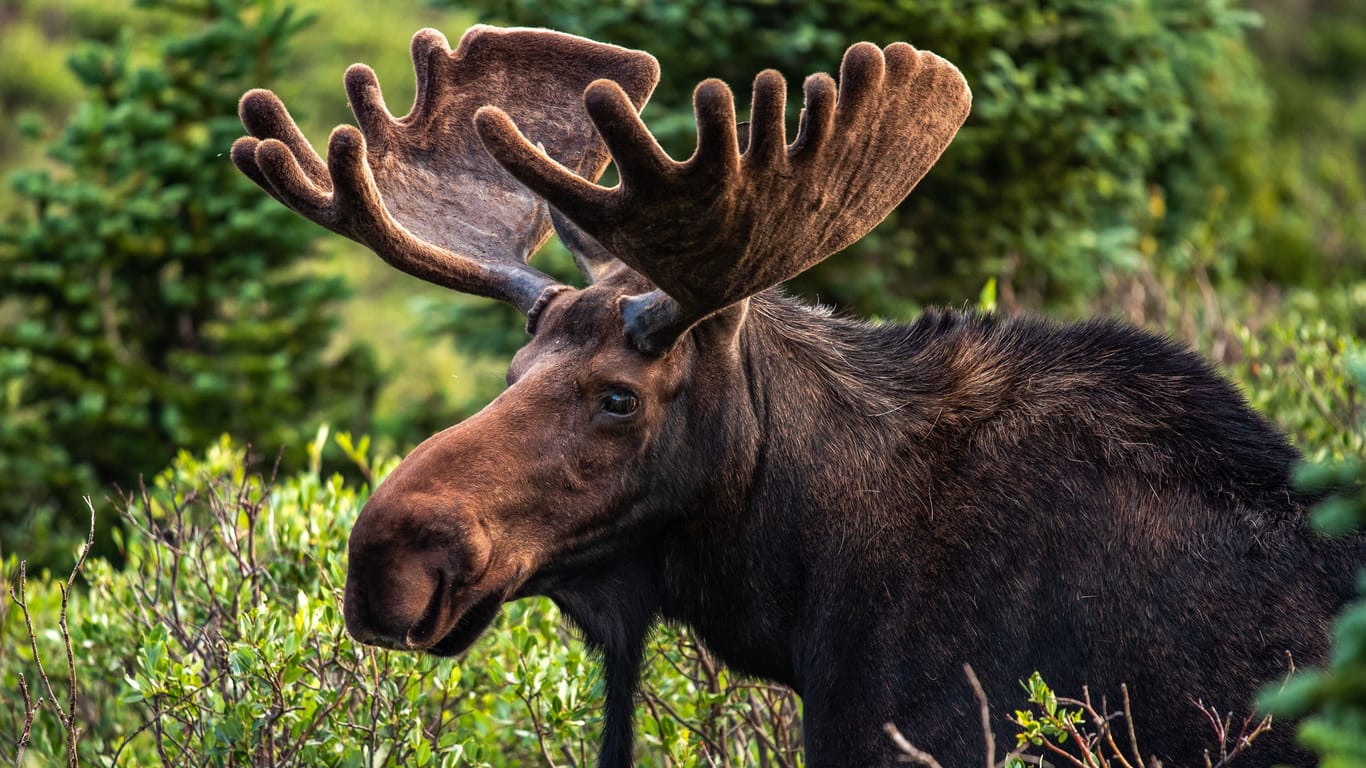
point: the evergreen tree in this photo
(150, 297)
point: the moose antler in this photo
(723, 226)
(420, 190)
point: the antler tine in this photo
(722, 226)
(420, 190)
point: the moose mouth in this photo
(467, 629)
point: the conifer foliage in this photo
(152, 297)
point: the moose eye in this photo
(619, 402)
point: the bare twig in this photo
(1290, 667)
(987, 735)
(569, 755)
(909, 752)
(1223, 726)
(30, 709)
(1069, 757)
(1129, 722)
(1107, 731)
(73, 692)
(65, 715)
(19, 594)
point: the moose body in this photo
(855, 511)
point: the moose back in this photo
(852, 510)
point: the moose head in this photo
(500, 142)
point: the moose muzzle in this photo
(418, 581)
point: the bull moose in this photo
(853, 510)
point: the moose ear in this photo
(721, 331)
(593, 261)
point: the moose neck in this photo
(831, 408)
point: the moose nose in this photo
(361, 622)
(397, 589)
(396, 607)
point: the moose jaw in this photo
(852, 510)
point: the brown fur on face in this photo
(539, 474)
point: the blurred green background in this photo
(1194, 166)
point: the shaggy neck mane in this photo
(958, 384)
(855, 364)
(946, 367)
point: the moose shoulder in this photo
(852, 510)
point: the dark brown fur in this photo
(857, 511)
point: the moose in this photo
(853, 510)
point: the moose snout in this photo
(390, 606)
(400, 578)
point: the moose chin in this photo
(852, 510)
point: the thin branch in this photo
(910, 753)
(1222, 727)
(757, 727)
(1129, 721)
(158, 714)
(1108, 733)
(532, 709)
(1051, 747)
(288, 757)
(981, 695)
(65, 715)
(19, 594)
(30, 709)
(707, 738)
(73, 692)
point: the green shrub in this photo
(1297, 369)
(221, 642)
(1311, 213)
(1332, 700)
(151, 297)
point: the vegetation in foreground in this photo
(221, 642)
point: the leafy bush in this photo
(222, 643)
(1333, 699)
(1297, 369)
(150, 297)
(139, 312)
(1102, 134)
